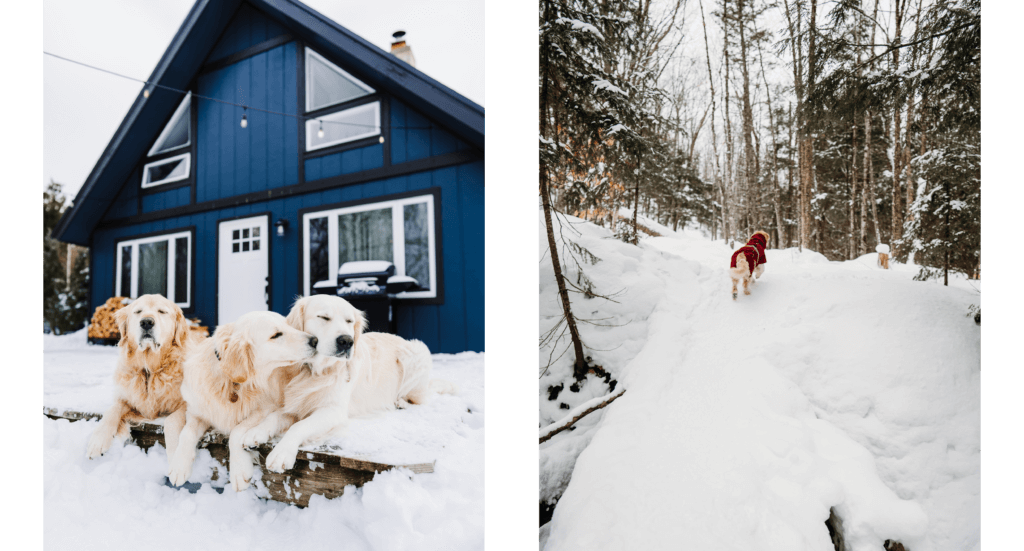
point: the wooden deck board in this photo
(322, 471)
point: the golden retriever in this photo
(155, 338)
(232, 381)
(748, 262)
(354, 374)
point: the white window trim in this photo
(177, 112)
(398, 245)
(313, 125)
(171, 262)
(346, 74)
(188, 169)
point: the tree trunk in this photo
(749, 157)
(853, 197)
(730, 227)
(906, 160)
(808, 137)
(579, 365)
(897, 152)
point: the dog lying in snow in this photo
(748, 262)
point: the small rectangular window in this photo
(168, 170)
(349, 125)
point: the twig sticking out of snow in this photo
(580, 412)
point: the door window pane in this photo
(365, 236)
(153, 268)
(417, 245)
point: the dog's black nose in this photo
(344, 342)
(146, 323)
(312, 342)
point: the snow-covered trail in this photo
(833, 384)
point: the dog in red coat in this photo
(748, 262)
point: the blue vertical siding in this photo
(247, 28)
(264, 155)
(345, 162)
(166, 199)
(413, 136)
(127, 201)
(454, 326)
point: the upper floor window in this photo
(176, 135)
(327, 84)
(178, 132)
(352, 124)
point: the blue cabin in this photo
(270, 147)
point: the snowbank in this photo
(835, 384)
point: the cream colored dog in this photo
(232, 381)
(354, 374)
(155, 337)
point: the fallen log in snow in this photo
(578, 413)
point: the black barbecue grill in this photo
(370, 286)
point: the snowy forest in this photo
(833, 127)
(837, 405)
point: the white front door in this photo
(243, 267)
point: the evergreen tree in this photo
(65, 299)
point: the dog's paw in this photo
(99, 443)
(281, 458)
(179, 471)
(734, 295)
(256, 436)
(241, 473)
(746, 291)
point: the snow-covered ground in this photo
(119, 500)
(834, 384)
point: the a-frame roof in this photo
(186, 54)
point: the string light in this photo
(146, 93)
(382, 139)
(320, 133)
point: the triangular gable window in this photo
(327, 84)
(177, 133)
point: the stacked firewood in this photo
(198, 329)
(103, 325)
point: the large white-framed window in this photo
(362, 121)
(159, 264)
(400, 231)
(164, 171)
(327, 84)
(178, 132)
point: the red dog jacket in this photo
(753, 251)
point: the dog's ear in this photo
(181, 327)
(297, 316)
(237, 357)
(121, 319)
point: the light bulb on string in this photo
(320, 133)
(145, 92)
(244, 122)
(382, 139)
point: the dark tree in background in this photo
(65, 291)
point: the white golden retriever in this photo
(232, 381)
(155, 338)
(354, 374)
